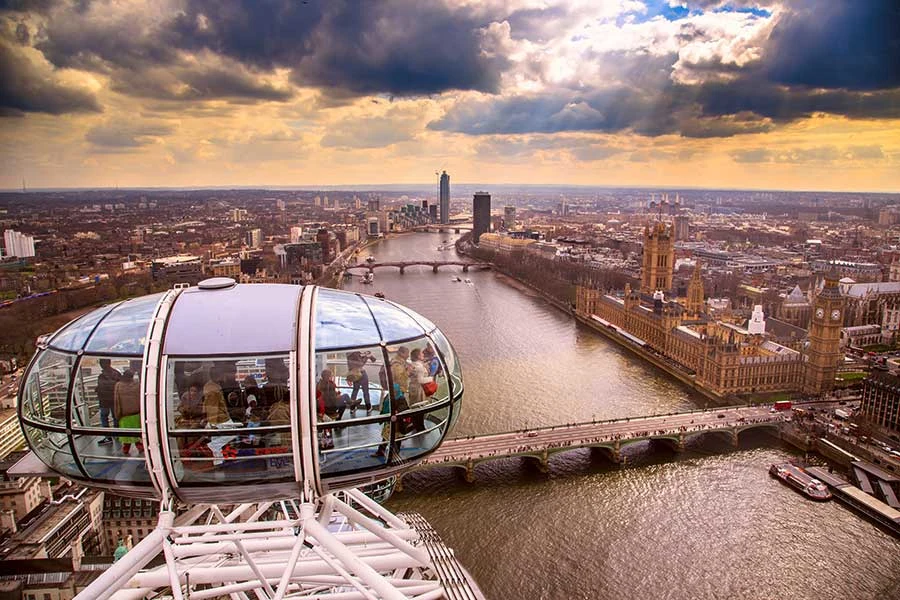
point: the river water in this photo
(706, 523)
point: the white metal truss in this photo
(343, 546)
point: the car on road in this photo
(720, 416)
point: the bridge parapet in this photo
(434, 264)
(604, 437)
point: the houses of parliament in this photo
(721, 358)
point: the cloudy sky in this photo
(786, 94)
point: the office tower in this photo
(425, 205)
(481, 211)
(296, 234)
(682, 227)
(254, 238)
(445, 198)
(374, 204)
(18, 244)
(509, 216)
(238, 215)
(433, 213)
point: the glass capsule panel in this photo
(94, 391)
(229, 419)
(353, 446)
(47, 387)
(342, 320)
(118, 458)
(52, 447)
(394, 323)
(420, 432)
(423, 322)
(350, 383)
(75, 334)
(450, 359)
(124, 329)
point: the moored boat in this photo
(797, 477)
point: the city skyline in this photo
(765, 94)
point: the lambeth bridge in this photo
(608, 437)
(444, 227)
(434, 264)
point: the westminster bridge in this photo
(607, 437)
(434, 264)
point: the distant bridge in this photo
(607, 437)
(434, 264)
(444, 227)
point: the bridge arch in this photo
(673, 442)
(773, 427)
(727, 435)
(452, 466)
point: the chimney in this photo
(8, 521)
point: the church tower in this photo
(823, 353)
(695, 295)
(659, 258)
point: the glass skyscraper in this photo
(481, 212)
(445, 197)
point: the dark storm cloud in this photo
(850, 44)
(344, 47)
(263, 33)
(840, 58)
(786, 104)
(745, 104)
(38, 6)
(100, 45)
(398, 48)
(611, 111)
(25, 88)
(197, 82)
(672, 109)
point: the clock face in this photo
(835, 315)
(820, 312)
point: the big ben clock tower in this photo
(823, 353)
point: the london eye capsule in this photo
(226, 393)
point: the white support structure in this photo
(275, 550)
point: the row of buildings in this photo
(18, 244)
(798, 348)
(722, 357)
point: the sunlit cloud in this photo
(199, 92)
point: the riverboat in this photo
(800, 480)
(370, 259)
(369, 278)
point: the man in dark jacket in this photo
(106, 387)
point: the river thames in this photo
(706, 523)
